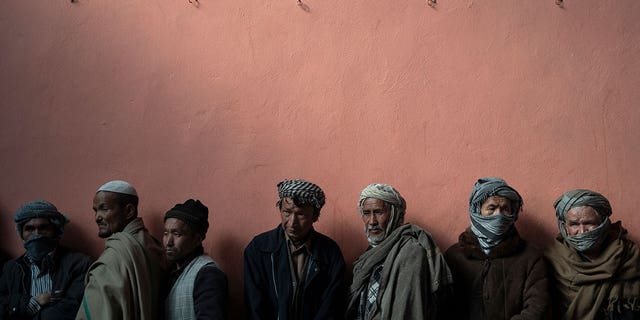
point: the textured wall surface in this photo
(220, 101)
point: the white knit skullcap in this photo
(118, 186)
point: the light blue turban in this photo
(40, 209)
(491, 230)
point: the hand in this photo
(43, 299)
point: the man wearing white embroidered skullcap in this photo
(497, 275)
(595, 268)
(127, 281)
(403, 274)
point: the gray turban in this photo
(490, 187)
(302, 192)
(579, 198)
(40, 209)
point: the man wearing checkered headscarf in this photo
(595, 268)
(403, 274)
(496, 273)
(46, 281)
(294, 272)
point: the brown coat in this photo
(509, 283)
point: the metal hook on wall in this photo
(303, 6)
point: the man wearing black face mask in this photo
(46, 282)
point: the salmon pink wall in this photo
(220, 100)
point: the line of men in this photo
(591, 271)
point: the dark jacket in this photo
(509, 283)
(67, 277)
(267, 278)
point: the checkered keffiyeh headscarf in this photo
(302, 192)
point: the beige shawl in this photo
(126, 281)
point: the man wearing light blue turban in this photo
(595, 268)
(47, 281)
(496, 274)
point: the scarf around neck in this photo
(587, 288)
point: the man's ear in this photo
(130, 211)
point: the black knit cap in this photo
(193, 212)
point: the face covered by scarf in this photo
(393, 199)
(580, 198)
(491, 230)
(39, 245)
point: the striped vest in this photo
(179, 303)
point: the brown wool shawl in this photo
(587, 288)
(412, 263)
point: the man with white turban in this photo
(46, 282)
(497, 275)
(595, 268)
(127, 281)
(294, 272)
(403, 274)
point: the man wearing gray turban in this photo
(294, 272)
(497, 275)
(595, 268)
(47, 281)
(403, 274)
(127, 281)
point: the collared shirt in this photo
(298, 256)
(298, 260)
(40, 281)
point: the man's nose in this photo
(581, 229)
(373, 220)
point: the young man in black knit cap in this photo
(198, 288)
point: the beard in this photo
(374, 240)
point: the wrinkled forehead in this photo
(585, 211)
(105, 197)
(374, 203)
(497, 200)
